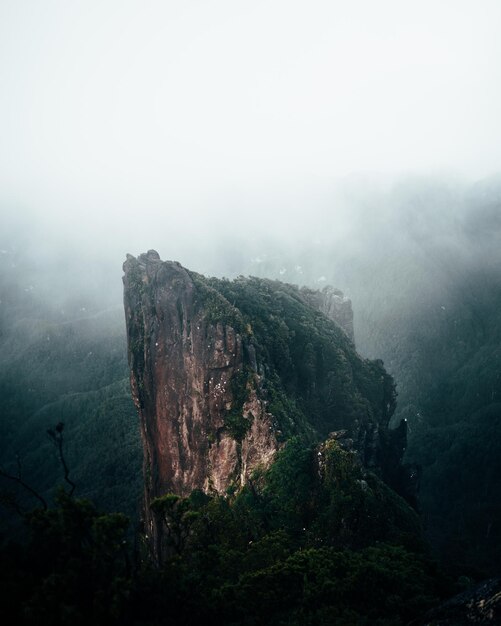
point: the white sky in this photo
(184, 107)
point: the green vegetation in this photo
(237, 425)
(71, 370)
(74, 568)
(235, 422)
(313, 377)
(424, 276)
(215, 307)
(289, 417)
(287, 549)
(450, 393)
(314, 540)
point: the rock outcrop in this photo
(222, 373)
(334, 304)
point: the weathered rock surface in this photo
(334, 304)
(222, 373)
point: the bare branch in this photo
(20, 481)
(56, 436)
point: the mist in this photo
(177, 127)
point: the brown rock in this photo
(218, 388)
(182, 369)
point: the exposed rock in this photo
(338, 434)
(223, 373)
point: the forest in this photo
(292, 548)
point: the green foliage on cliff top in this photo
(215, 307)
(314, 540)
(312, 372)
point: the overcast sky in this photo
(207, 108)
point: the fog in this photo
(300, 141)
(130, 125)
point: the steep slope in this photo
(222, 373)
(63, 359)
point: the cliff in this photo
(223, 373)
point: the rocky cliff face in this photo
(222, 373)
